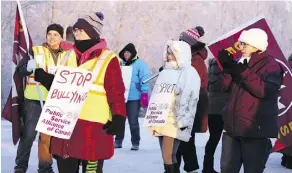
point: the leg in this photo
(68, 165)
(169, 148)
(190, 156)
(180, 153)
(31, 113)
(133, 108)
(44, 155)
(92, 166)
(255, 153)
(215, 124)
(231, 154)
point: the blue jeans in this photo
(252, 153)
(133, 109)
(31, 113)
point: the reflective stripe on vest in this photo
(96, 108)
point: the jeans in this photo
(133, 109)
(252, 153)
(169, 147)
(31, 113)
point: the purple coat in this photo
(252, 110)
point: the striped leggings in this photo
(71, 165)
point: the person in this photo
(217, 100)
(187, 150)
(104, 112)
(179, 124)
(252, 111)
(138, 94)
(286, 159)
(48, 56)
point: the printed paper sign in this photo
(64, 102)
(127, 77)
(161, 98)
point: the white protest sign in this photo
(161, 98)
(64, 102)
(127, 77)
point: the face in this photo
(246, 49)
(54, 39)
(170, 56)
(127, 55)
(80, 34)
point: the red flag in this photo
(230, 43)
(12, 111)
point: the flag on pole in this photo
(21, 45)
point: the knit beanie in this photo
(255, 37)
(92, 24)
(56, 27)
(192, 35)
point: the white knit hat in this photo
(255, 37)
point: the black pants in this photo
(187, 151)
(252, 153)
(71, 165)
(215, 124)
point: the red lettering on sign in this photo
(64, 72)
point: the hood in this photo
(181, 51)
(202, 53)
(131, 48)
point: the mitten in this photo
(226, 60)
(116, 126)
(44, 78)
(31, 65)
(144, 100)
(160, 69)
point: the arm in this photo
(21, 68)
(189, 87)
(144, 74)
(261, 85)
(114, 87)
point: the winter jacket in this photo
(199, 55)
(217, 98)
(186, 96)
(252, 110)
(89, 141)
(140, 73)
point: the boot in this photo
(173, 168)
(208, 166)
(19, 170)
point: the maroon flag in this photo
(230, 43)
(12, 109)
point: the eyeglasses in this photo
(242, 45)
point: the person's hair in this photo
(69, 34)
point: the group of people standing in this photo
(241, 99)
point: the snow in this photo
(147, 159)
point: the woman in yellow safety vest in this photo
(104, 112)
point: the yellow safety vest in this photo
(44, 60)
(96, 107)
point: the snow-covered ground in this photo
(146, 160)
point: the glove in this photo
(144, 100)
(226, 60)
(160, 69)
(237, 69)
(44, 78)
(31, 65)
(116, 126)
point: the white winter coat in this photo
(186, 95)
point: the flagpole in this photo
(27, 45)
